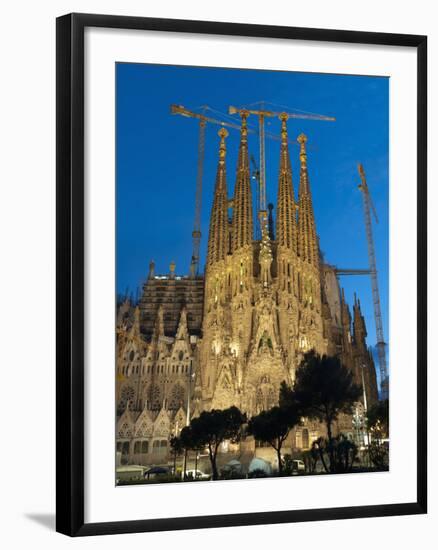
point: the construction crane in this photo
(342, 271)
(381, 352)
(256, 176)
(252, 130)
(196, 233)
(262, 114)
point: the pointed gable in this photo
(162, 424)
(144, 425)
(125, 425)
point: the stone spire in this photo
(159, 323)
(151, 269)
(181, 332)
(217, 238)
(135, 331)
(345, 313)
(307, 240)
(242, 231)
(286, 219)
(359, 329)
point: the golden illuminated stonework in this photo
(234, 334)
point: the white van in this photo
(129, 473)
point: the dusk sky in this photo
(157, 158)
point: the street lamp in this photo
(190, 377)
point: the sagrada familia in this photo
(232, 335)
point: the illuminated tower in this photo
(309, 276)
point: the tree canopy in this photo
(323, 389)
(213, 427)
(378, 419)
(273, 427)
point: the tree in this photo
(378, 419)
(177, 449)
(378, 425)
(323, 388)
(213, 427)
(191, 441)
(273, 427)
(341, 451)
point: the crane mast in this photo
(381, 352)
(196, 233)
(256, 176)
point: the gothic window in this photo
(144, 447)
(127, 395)
(305, 438)
(262, 444)
(154, 397)
(176, 397)
(270, 398)
(137, 447)
(181, 355)
(131, 355)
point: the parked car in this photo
(197, 474)
(298, 466)
(156, 472)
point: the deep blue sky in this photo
(157, 155)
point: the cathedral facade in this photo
(231, 336)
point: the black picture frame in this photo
(70, 273)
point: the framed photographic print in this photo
(241, 274)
